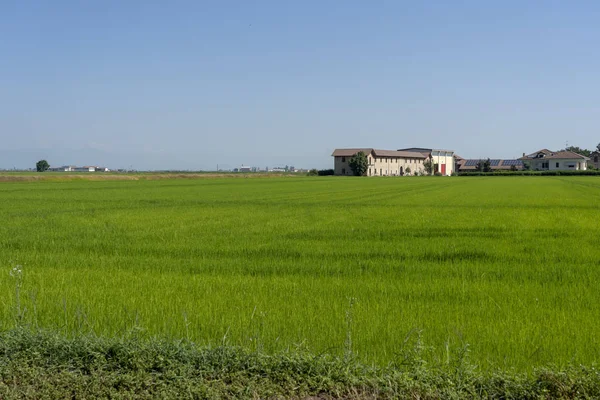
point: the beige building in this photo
(381, 162)
(546, 160)
(442, 160)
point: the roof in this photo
(495, 164)
(417, 149)
(349, 152)
(554, 155)
(377, 153)
(399, 153)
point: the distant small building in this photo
(547, 160)
(245, 169)
(84, 169)
(64, 168)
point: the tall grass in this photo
(507, 267)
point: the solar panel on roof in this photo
(494, 163)
(471, 163)
(512, 162)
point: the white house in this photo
(546, 160)
(84, 169)
(64, 168)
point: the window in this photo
(369, 162)
(557, 165)
(343, 171)
(343, 159)
(596, 159)
(369, 171)
(380, 171)
(396, 161)
(546, 165)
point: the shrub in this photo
(532, 173)
(325, 172)
(313, 172)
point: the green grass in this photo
(42, 365)
(370, 267)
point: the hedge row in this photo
(35, 365)
(532, 173)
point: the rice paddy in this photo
(507, 268)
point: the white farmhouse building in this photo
(546, 160)
(381, 162)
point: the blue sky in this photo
(193, 84)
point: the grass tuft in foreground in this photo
(42, 364)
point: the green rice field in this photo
(504, 269)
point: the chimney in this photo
(523, 154)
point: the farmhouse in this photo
(442, 160)
(546, 160)
(64, 168)
(72, 168)
(381, 162)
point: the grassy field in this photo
(502, 269)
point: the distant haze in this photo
(193, 84)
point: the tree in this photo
(487, 166)
(484, 166)
(598, 147)
(575, 149)
(408, 171)
(359, 164)
(428, 166)
(42, 165)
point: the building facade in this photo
(546, 160)
(442, 160)
(381, 162)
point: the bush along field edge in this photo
(44, 364)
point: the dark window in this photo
(343, 159)
(557, 165)
(343, 171)
(596, 159)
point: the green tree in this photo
(598, 147)
(359, 164)
(42, 165)
(583, 152)
(484, 166)
(428, 166)
(408, 170)
(487, 166)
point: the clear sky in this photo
(192, 84)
